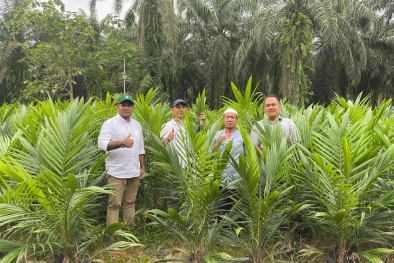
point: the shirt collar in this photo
(122, 119)
(175, 123)
(277, 119)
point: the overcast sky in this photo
(103, 7)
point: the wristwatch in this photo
(122, 144)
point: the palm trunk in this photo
(71, 90)
(257, 257)
(342, 251)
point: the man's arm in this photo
(142, 164)
(255, 137)
(294, 135)
(104, 139)
(112, 145)
(218, 141)
(166, 135)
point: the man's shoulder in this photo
(283, 119)
(110, 120)
(219, 133)
(135, 122)
(167, 124)
(261, 122)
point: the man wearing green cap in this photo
(121, 137)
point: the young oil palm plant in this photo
(152, 114)
(56, 137)
(50, 193)
(46, 215)
(197, 184)
(345, 170)
(263, 205)
(247, 103)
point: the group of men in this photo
(121, 136)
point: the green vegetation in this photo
(304, 51)
(327, 197)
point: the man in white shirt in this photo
(171, 133)
(122, 137)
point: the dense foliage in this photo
(328, 196)
(305, 51)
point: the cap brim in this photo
(119, 102)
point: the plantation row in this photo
(328, 196)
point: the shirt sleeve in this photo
(164, 131)
(141, 149)
(295, 137)
(105, 136)
(255, 137)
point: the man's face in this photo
(125, 109)
(179, 110)
(230, 120)
(272, 107)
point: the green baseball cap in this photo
(125, 97)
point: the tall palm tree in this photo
(213, 33)
(13, 72)
(335, 27)
(377, 78)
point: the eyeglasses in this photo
(230, 117)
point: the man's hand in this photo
(201, 116)
(171, 135)
(128, 141)
(221, 139)
(142, 172)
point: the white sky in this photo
(103, 7)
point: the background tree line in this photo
(302, 50)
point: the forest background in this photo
(305, 51)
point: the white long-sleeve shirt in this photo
(122, 162)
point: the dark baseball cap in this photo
(125, 97)
(179, 101)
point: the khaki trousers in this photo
(125, 191)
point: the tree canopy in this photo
(304, 51)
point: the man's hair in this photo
(271, 96)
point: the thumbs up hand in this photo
(128, 141)
(171, 135)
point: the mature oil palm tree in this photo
(13, 72)
(377, 78)
(334, 26)
(214, 31)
